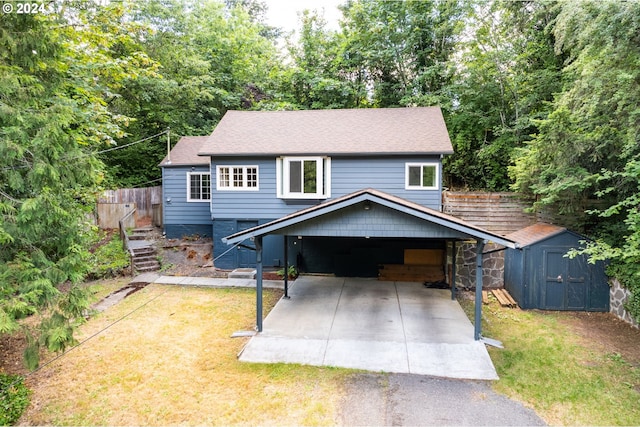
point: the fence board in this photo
(145, 201)
(502, 213)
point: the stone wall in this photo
(492, 266)
(618, 296)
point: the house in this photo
(186, 190)
(347, 192)
(540, 275)
(266, 165)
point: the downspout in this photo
(478, 312)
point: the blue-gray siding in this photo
(182, 218)
(348, 174)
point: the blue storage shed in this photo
(539, 275)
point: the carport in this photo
(370, 213)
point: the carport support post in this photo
(286, 267)
(258, 243)
(453, 270)
(478, 317)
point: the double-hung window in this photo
(422, 176)
(198, 186)
(237, 178)
(304, 177)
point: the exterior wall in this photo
(227, 258)
(348, 174)
(618, 296)
(492, 266)
(527, 281)
(182, 218)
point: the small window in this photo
(199, 186)
(303, 177)
(422, 176)
(237, 178)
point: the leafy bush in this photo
(14, 398)
(109, 259)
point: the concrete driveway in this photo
(399, 327)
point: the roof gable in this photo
(185, 152)
(419, 130)
(295, 221)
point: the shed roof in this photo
(419, 130)
(185, 152)
(278, 226)
(535, 233)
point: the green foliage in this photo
(292, 272)
(587, 147)
(58, 71)
(14, 398)
(211, 59)
(109, 259)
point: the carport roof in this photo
(399, 204)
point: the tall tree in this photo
(55, 74)
(589, 145)
(212, 59)
(403, 48)
(507, 73)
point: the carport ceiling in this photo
(371, 213)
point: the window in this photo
(198, 186)
(422, 176)
(304, 177)
(237, 178)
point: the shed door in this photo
(565, 281)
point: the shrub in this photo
(14, 398)
(109, 259)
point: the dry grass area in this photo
(172, 361)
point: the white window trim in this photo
(421, 187)
(189, 199)
(244, 186)
(323, 171)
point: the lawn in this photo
(172, 361)
(165, 356)
(566, 378)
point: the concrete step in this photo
(243, 273)
(144, 251)
(147, 269)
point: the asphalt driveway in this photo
(397, 327)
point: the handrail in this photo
(125, 238)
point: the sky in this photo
(283, 13)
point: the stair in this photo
(145, 256)
(145, 259)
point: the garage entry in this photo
(371, 214)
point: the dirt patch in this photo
(606, 331)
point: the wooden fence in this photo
(502, 213)
(147, 201)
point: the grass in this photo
(172, 361)
(566, 381)
(164, 356)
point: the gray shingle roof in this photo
(419, 130)
(186, 151)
